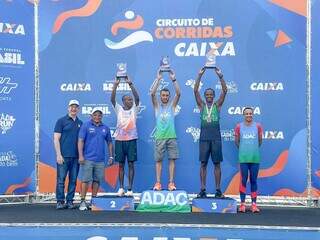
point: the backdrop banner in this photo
(315, 73)
(17, 164)
(261, 49)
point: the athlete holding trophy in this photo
(165, 134)
(210, 136)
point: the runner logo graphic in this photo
(6, 122)
(163, 84)
(6, 85)
(134, 38)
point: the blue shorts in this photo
(91, 171)
(211, 148)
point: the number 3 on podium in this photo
(214, 206)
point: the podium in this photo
(112, 203)
(164, 201)
(214, 205)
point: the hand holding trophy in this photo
(211, 58)
(164, 64)
(121, 70)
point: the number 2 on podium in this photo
(112, 204)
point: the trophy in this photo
(164, 64)
(211, 59)
(121, 70)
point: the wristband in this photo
(174, 80)
(130, 84)
(111, 157)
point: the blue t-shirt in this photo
(94, 138)
(69, 130)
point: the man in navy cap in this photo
(91, 146)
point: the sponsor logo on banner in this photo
(273, 135)
(86, 109)
(196, 110)
(8, 159)
(11, 57)
(239, 110)
(271, 86)
(227, 135)
(6, 122)
(6, 86)
(75, 87)
(212, 35)
(132, 22)
(192, 82)
(122, 87)
(172, 198)
(231, 86)
(12, 28)
(195, 133)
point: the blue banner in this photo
(153, 233)
(17, 165)
(261, 49)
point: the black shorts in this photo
(126, 150)
(210, 147)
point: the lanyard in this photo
(209, 111)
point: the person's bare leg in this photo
(203, 175)
(171, 169)
(95, 188)
(84, 190)
(131, 174)
(217, 175)
(158, 170)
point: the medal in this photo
(209, 111)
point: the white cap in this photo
(95, 109)
(74, 102)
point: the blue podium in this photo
(214, 205)
(112, 203)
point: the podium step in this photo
(112, 203)
(214, 205)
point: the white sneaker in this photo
(129, 193)
(83, 206)
(120, 192)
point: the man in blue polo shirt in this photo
(91, 146)
(65, 143)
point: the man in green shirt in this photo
(165, 135)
